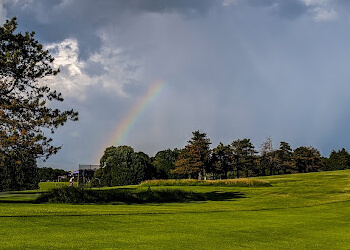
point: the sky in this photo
(232, 69)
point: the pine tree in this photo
(25, 111)
(195, 157)
(25, 108)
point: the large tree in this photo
(123, 166)
(221, 161)
(307, 159)
(201, 143)
(188, 163)
(26, 114)
(164, 162)
(285, 158)
(244, 156)
(195, 157)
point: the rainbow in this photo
(132, 115)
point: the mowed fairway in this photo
(302, 211)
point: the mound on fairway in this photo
(118, 195)
(82, 195)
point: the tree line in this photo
(240, 158)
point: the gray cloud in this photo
(82, 19)
(249, 69)
(319, 10)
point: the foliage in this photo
(241, 182)
(244, 156)
(221, 161)
(81, 195)
(285, 158)
(337, 160)
(164, 162)
(25, 112)
(307, 159)
(50, 174)
(236, 160)
(19, 171)
(24, 99)
(188, 162)
(195, 157)
(268, 159)
(201, 143)
(122, 166)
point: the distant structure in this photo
(85, 173)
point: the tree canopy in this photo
(195, 157)
(25, 112)
(164, 162)
(123, 166)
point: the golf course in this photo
(296, 211)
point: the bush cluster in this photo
(82, 195)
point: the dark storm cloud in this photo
(81, 19)
(200, 6)
(289, 9)
(232, 69)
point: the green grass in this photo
(29, 195)
(302, 211)
(46, 186)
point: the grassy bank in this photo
(242, 182)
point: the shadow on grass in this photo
(117, 196)
(223, 196)
(17, 201)
(19, 196)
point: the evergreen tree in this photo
(201, 145)
(285, 158)
(244, 156)
(307, 159)
(337, 160)
(221, 161)
(24, 108)
(189, 163)
(195, 157)
(25, 111)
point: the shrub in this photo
(81, 195)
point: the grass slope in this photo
(302, 211)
